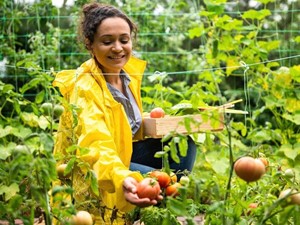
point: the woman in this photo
(104, 95)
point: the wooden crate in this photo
(158, 127)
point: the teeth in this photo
(116, 57)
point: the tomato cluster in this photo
(167, 183)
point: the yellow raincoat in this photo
(101, 126)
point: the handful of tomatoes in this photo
(157, 181)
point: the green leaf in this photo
(297, 39)
(260, 136)
(159, 154)
(177, 207)
(173, 150)
(9, 191)
(47, 142)
(256, 15)
(196, 31)
(32, 83)
(94, 183)
(183, 147)
(70, 165)
(295, 73)
(4, 152)
(265, 1)
(293, 118)
(289, 151)
(218, 162)
(60, 189)
(39, 98)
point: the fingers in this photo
(129, 184)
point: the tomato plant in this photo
(162, 177)
(249, 169)
(157, 113)
(148, 188)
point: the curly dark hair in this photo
(92, 16)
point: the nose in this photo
(117, 47)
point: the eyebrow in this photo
(109, 35)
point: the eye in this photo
(107, 42)
(124, 41)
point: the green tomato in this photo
(184, 180)
(21, 149)
(58, 110)
(46, 108)
(289, 173)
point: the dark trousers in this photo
(143, 159)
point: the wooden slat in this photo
(158, 127)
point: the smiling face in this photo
(112, 44)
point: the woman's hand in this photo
(130, 189)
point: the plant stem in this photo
(228, 187)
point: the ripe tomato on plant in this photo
(172, 190)
(162, 177)
(249, 169)
(148, 188)
(157, 113)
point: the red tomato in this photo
(148, 188)
(157, 113)
(162, 177)
(249, 169)
(172, 190)
(253, 205)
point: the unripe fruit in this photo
(82, 218)
(58, 110)
(292, 196)
(46, 108)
